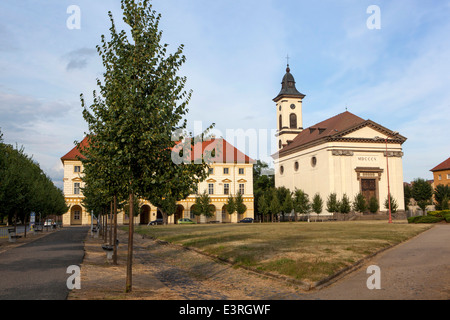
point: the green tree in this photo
(262, 182)
(142, 102)
(203, 205)
(407, 192)
(275, 205)
(344, 204)
(444, 203)
(394, 204)
(317, 204)
(373, 205)
(239, 202)
(263, 206)
(288, 204)
(359, 203)
(231, 205)
(302, 204)
(440, 193)
(332, 203)
(422, 193)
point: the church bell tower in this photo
(289, 110)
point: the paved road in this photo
(418, 269)
(37, 270)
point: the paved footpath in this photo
(37, 270)
(418, 269)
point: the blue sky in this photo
(398, 76)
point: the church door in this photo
(368, 188)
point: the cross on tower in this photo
(287, 58)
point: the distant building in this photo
(344, 154)
(441, 173)
(231, 172)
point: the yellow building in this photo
(231, 172)
(441, 173)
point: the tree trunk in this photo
(129, 282)
(111, 221)
(106, 227)
(115, 231)
(25, 225)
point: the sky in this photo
(397, 74)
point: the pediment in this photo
(211, 180)
(369, 130)
(364, 133)
(77, 179)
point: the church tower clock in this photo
(289, 110)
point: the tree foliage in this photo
(203, 205)
(344, 204)
(373, 205)
(332, 203)
(441, 196)
(422, 193)
(25, 188)
(394, 204)
(141, 104)
(359, 203)
(317, 204)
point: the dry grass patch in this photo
(304, 251)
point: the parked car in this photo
(156, 222)
(246, 220)
(186, 221)
(49, 223)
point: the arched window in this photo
(280, 123)
(293, 121)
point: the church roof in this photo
(224, 151)
(288, 88)
(332, 129)
(442, 166)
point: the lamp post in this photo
(387, 170)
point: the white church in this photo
(344, 154)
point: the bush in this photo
(413, 219)
(438, 213)
(447, 217)
(425, 219)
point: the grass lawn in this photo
(305, 251)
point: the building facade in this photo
(230, 173)
(441, 173)
(344, 154)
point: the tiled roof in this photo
(333, 128)
(324, 129)
(75, 153)
(224, 152)
(443, 166)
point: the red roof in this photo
(75, 153)
(443, 166)
(224, 152)
(324, 129)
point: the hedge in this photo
(440, 213)
(427, 219)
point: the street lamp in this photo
(387, 169)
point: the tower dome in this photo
(288, 88)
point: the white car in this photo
(49, 223)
